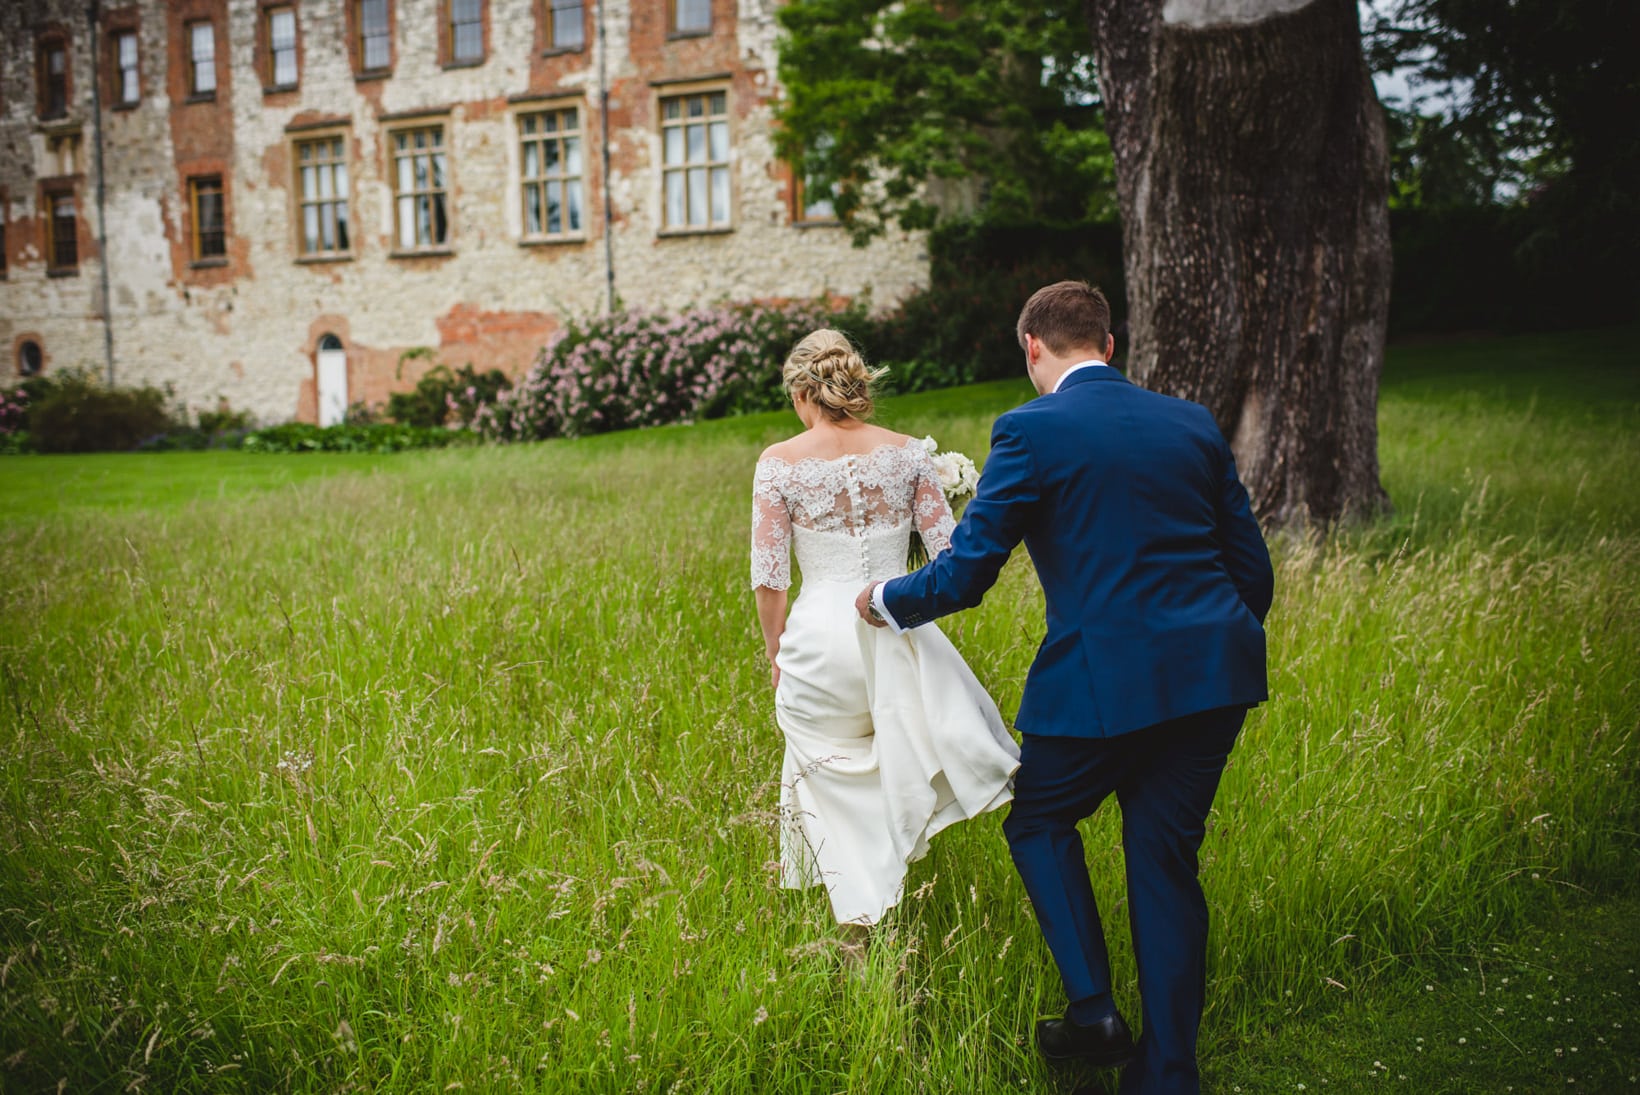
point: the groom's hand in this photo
(862, 605)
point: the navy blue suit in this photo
(1157, 581)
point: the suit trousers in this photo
(1164, 778)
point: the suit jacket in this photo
(1156, 577)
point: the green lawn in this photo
(37, 486)
(400, 772)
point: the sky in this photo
(1397, 89)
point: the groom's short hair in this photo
(1067, 315)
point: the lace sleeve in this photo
(933, 516)
(771, 531)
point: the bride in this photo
(889, 738)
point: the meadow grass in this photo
(461, 770)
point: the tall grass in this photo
(465, 772)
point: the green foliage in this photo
(70, 411)
(924, 374)
(1081, 158)
(361, 413)
(223, 420)
(463, 769)
(1547, 80)
(1524, 109)
(441, 396)
(962, 325)
(378, 437)
(223, 428)
(1540, 97)
(1439, 163)
(884, 97)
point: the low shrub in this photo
(69, 411)
(646, 369)
(223, 428)
(353, 437)
(194, 439)
(224, 420)
(360, 413)
(442, 397)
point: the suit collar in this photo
(1085, 374)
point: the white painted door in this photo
(332, 386)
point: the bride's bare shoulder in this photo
(884, 437)
(788, 450)
(862, 439)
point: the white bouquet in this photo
(958, 475)
(958, 478)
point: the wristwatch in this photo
(871, 607)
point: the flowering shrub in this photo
(14, 421)
(442, 397)
(13, 410)
(648, 369)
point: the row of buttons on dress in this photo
(857, 506)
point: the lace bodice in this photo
(849, 517)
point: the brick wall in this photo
(245, 324)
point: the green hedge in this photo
(351, 437)
(1508, 268)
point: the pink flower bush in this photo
(648, 369)
(13, 410)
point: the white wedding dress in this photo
(889, 738)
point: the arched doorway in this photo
(332, 381)
(29, 358)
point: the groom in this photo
(1157, 582)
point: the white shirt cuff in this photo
(882, 609)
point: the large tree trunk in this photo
(1252, 174)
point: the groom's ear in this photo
(1110, 346)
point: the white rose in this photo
(929, 445)
(949, 470)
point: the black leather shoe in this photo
(1105, 1044)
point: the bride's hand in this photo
(774, 676)
(868, 611)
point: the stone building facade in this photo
(268, 202)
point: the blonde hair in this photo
(825, 369)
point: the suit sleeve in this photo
(1245, 554)
(991, 527)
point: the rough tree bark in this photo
(1252, 175)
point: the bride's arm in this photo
(933, 513)
(771, 560)
(771, 617)
(992, 525)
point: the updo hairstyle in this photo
(829, 372)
